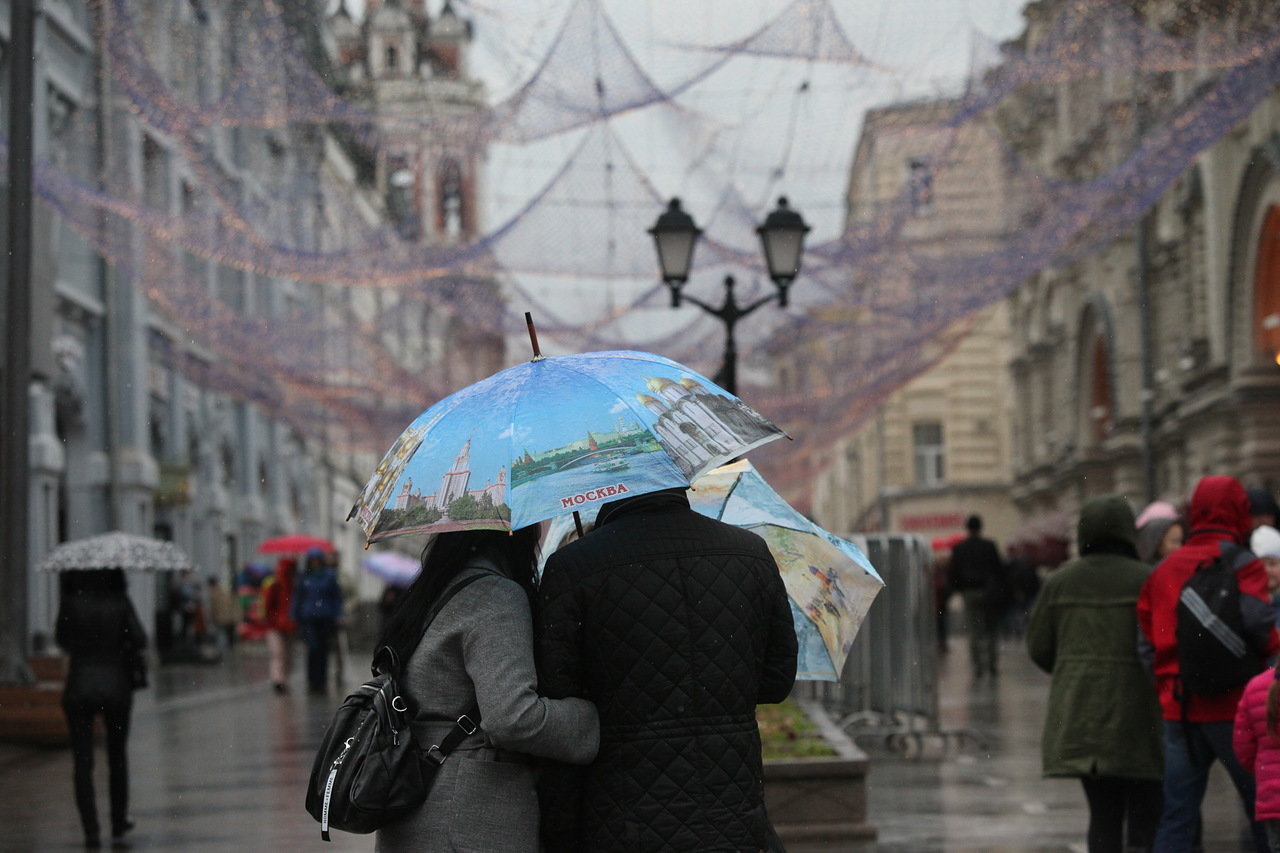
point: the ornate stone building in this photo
(937, 448)
(133, 426)
(412, 71)
(1152, 362)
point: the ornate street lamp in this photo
(675, 236)
(782, 237)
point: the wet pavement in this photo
(979, 788)
(219, 763)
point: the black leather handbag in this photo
(369, 770)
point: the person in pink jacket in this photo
(1257, 745)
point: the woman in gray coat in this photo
(479, 651)
(1103, 724)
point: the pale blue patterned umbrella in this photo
(830, 581)
(555, 435)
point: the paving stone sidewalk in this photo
(219, 764)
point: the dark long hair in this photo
(446, 555)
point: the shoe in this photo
(118, 832)
(92, 842)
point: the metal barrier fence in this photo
(889, 686)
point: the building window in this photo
(452, 216)
(393, 58)
(401, 193)
(1266, 288)
(1101, 413)
(926, 439)
(920, 184)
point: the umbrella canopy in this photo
(553, 435)
(395, 568)
(294, 543)
(830, 581)
(116, 550)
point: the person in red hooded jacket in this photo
(277, 599)
(1198, 729)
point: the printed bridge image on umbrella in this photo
(553, 435)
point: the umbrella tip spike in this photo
(533, 335)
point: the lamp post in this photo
(782, 233)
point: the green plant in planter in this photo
(787, 732)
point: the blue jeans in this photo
(1189, 752)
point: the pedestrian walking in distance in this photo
(99, 630)
(979, 575)
(317, 610)
(1102, 724)
(277, 604)
(1160, 532)
(478, 653)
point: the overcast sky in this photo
(762, 126)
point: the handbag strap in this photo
(465, 726)
(386, 652)
(469, 723)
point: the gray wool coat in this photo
(480, 649)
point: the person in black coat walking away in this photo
(980, 576)
(99, 629)
(676, 626)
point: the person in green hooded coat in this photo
(1103, 723)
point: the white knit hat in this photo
(1265, 542)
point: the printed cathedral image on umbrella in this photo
(551, 436)
(830, 581)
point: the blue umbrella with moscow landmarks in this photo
(555, 435)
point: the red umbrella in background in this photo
(946, 543)
(294, 543)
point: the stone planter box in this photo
(820, 804)
(31, 714)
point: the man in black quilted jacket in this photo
(676, 626)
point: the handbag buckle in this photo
(465, 723)
(435, 755)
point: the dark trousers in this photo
(1190, 749)
(1117, 804)
(317, 635)
(115, 715)
(984, 632)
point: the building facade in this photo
(1152, 362)
(937, 448)
(134, 424)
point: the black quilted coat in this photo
(676, 626)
